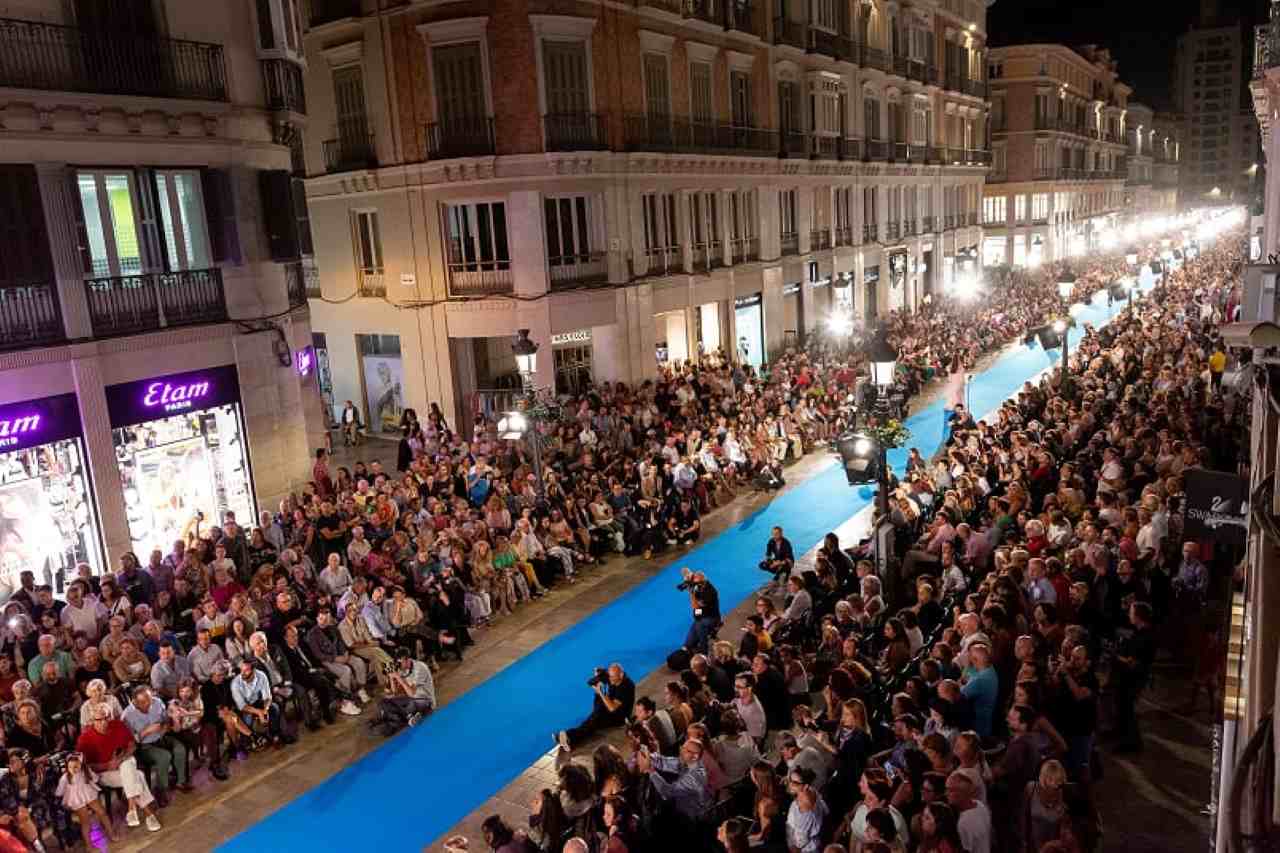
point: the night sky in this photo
(1141, 35)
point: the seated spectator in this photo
(147, 719)
(257, 707)
(96, 694)
(412, 695)
(108, 748)
(169, 671)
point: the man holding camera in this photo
(413, 694)
(615, 696)
(704, 599)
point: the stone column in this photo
(770, 236)
(58, 203)
(528, 245)
(113, 514)
(804, 217)
(774, 313)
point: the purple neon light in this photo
(305, 359)
(175, 398)
(14, 429)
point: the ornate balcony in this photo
(53, 57)
(575, 132)
(468, 136)
(283, 79)
(29, 317)
(126, 305)
(645, 132)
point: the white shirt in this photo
(975, 829)
(752, 715)
(84, 618)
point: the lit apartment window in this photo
(367, 242)
(1040, 207)
(140, 221)
(660, 233)
(477, 235)
(787, 213)
(568, 221)
(1020, 208)
(993, 210)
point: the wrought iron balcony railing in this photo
(349, 152)
(789, 243)
(53, 57)
(466, 136)
(29, 316)
(575, 132)
(283, 79)
(644, 132)
(126, 305)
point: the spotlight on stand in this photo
(1048, 336)
(860, 454)
(512, 426)
(884, 360)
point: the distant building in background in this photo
(1207, 78)
(1248, 156)
(1059, 131)
(1166, 156)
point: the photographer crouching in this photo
(615, 696)
(413, 694)
(704, 600)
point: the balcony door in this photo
(120, 46)
(567, 91)
(135, 222)
(461, 105)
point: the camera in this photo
(685, 584)
(598, 677)
(388, 668)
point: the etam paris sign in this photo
(36, 422)
(163, 396)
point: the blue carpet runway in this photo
(409, 792)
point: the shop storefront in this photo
(749, 321)
(572, 352)
(48, 523)
(181, 449)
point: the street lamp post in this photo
(1060, 327)
(524, 423)
(884, 363)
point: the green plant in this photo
(890, 434)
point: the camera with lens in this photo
(388, 668)
(685, 584)
(599, 677)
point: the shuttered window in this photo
(348, 95)
(568, 230)
(477, 237)
(701, 92)
(740, 98)
(24, 243)
(460, 89)
(657, 86)
(564, 65)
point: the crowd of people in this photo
(960, 704)
(348, 598)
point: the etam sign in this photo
(162, 396)
(36, 422)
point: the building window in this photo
(477, 235)
(657, 87)
(367, 241)
(827, 115)
(740, 98)
(825, 15)
(564, 66)
(702, 100)
(1040, 207)
(660, 234)
(461, 101)
(278, 26)
(787, 213)
(704, 221)
(993, 210)
(871, 118)
(141, 221)
(569, 239)
(182, 220)
(1020, 208)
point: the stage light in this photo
(513, 426)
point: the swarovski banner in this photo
(1217, 506)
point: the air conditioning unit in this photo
(1259, 302)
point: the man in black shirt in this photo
(685, 527)
(704, 600)
(778, 557)
(1076, 709)
(615, 696)
(1132, 671)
